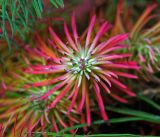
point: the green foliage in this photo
(16, 16)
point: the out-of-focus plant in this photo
(144, 39)
(29, 113)
(33, 116)
(16, 16)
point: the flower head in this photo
(83, 67)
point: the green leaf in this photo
(21, 20)
(57, 3)
(13, 9)
(149, 101)
(98, 122)
(54, 3)
(146, 116)
(158, 57)
(38, 7)
(60, 3)
(11, 23)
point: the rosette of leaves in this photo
(28, 114)
(21, 111)
(82, 64)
